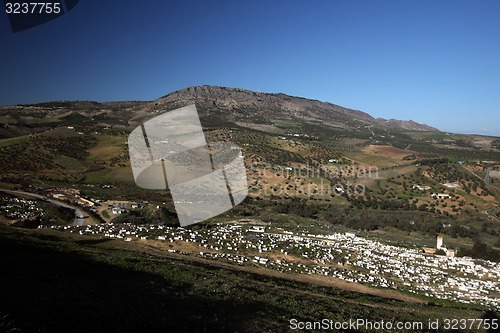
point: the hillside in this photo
(302, 156)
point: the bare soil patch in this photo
(387, 150)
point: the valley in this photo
(333, 194)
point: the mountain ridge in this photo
(216, 105)
(231, 99)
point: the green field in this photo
(373, 160)
(70, 163)
(12, 142)
(286, 124)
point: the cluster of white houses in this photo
(341, 255)
(19, 209)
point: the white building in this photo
(117, 210)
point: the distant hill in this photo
(217, 106)
(268, 106)
(409, 125)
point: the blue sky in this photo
(435, 62)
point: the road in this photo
(487, 179)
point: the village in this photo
(345, 256)
(20, 209)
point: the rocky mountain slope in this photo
(268, 106)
